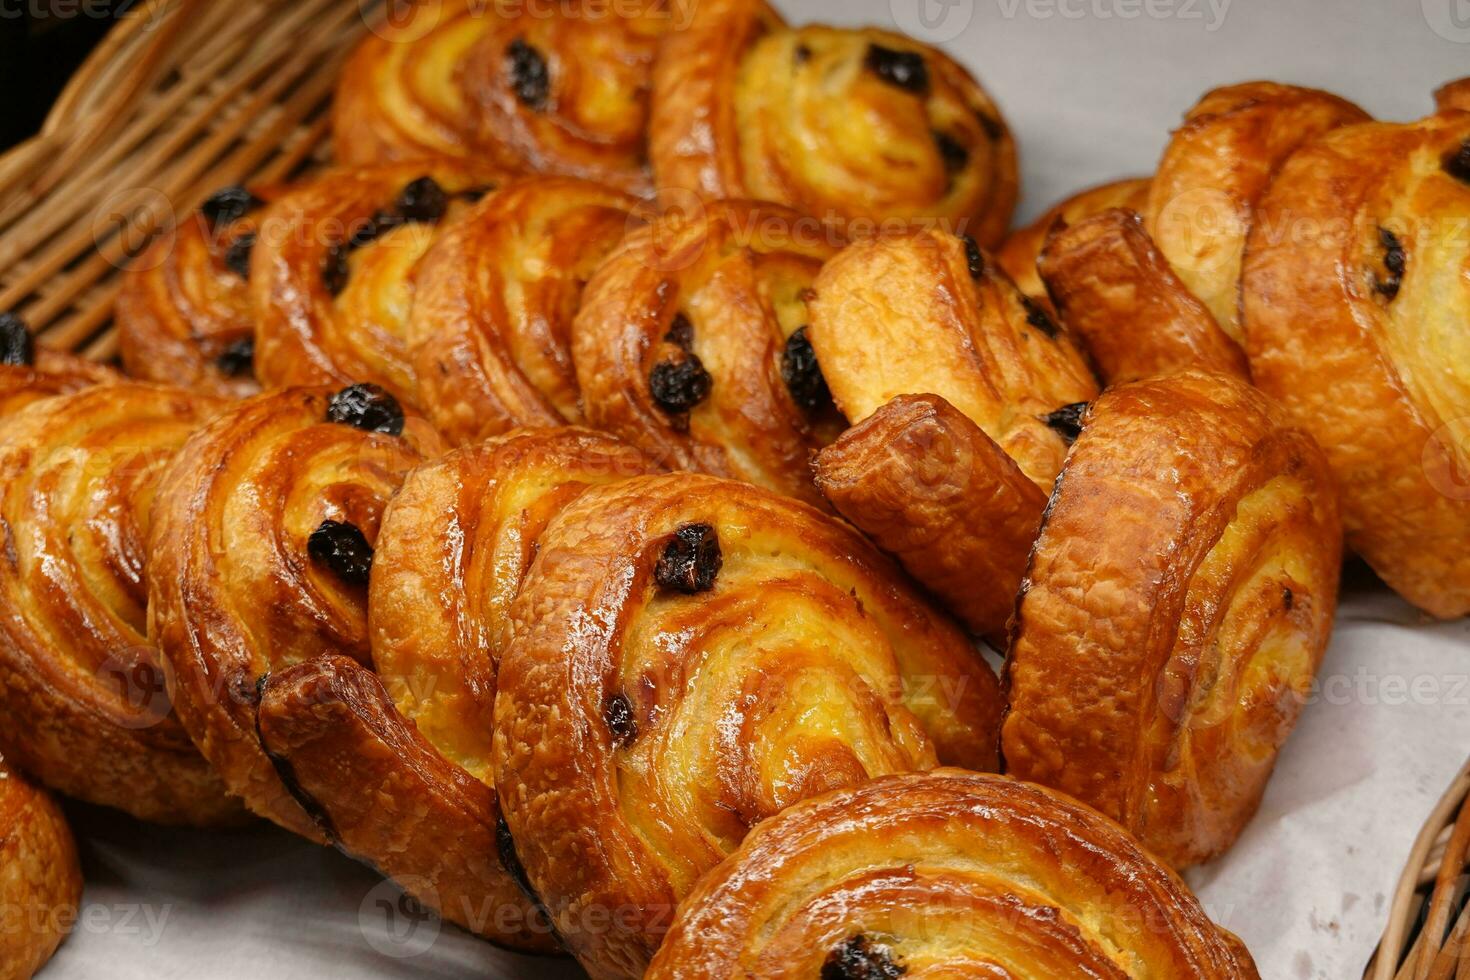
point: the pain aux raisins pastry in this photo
(1022, 247)
(40, 878)
(946, 873)
(395, 766)
(542, 88)
(183, 312)
(858, 127)
(1198, 523)
(689, 656)
(31, 371)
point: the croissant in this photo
(30, 372)
(689, 656)
(490, 330)
(183, 309)
(856, 127)
(558, 89)
(945, 873)
(80, 686)
(690, 344)
(40, 879)
(396, 766)
(1022, 247)
(1177, 605)
(333, 271)
(1357, 326)
(258, 558)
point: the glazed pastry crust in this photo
(946, 873)
(54, 372)
(1177, 605)
(81, 686)
(1374, 362)
(745, 107)
(1022, 247)
(1453, 96)
(40, 878)
(640, 732)
(492, 313)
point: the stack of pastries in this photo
(585, 500)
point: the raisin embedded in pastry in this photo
(30, 371)
(40, 878)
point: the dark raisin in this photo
(859, 959)
(677, 386)
(342, 548)
(901, 69)
(237, 256)
(228, 204)
(690, 561)
(475, 193)
(423, 200)
(802, 373)
(529, 75)
(238, 358)
(681, 332)
(1394, 260)
(1038, 317)
(334, 268)
(618, 714)
(993, 129)
(1288, 598)
(17, 346)
(974, 256)
(1067, 420)
(954, 155)
(505, 847)
(1457, 163)
(803, 54)
(367, 407)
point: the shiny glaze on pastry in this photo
(82, 691)
(30, 371)
(689, 656)
(1176, 608)
(855, 127)
(40, 879)
(1022, 247)
(944, 874)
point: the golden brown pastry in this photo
(258, 558)
(545, 88)
(855, 127)
(1359, 328)
(1022, 247)
(944, 874)
(30, 371)
(494, 300)
(1176, 609)
(1453, 95)
(690, 344)
(1112, 287)
(689, 656)
(396, 766)
(183, 312)
(40, 879)
(332, 277)
(82, 692)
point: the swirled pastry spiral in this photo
(40, 879)
(30, 371)
(944, 874)
(1177, 606)
(493, 306)
(546, 88)
(1358, 327)
(1022, 247)
(334, 265)
(397, 766)
(259, 555)
(689, 656)
(183, 312)
(851, 126)
(82, 691)
(690, 344)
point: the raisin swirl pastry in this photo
(259, 554)
(40, 878)
(1176, 608)
(492, 313)
(1359, 329)
(1022, 247)
(689, 656)
(334, 265)
(945, 874)
(690, 344)
(557, 89)
(851, 126)
(82, 689)
(30, 371)
(183, 311)
(396, 766)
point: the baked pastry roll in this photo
(183, 309)
(945, 873)
(1022, 247)
(1177, 605)
(333, 273)
(82, 691)
(258, 558)
(689, 656)
(396, 766)
(557, 88)
(30, 371)
(690, 344)
(1453, 95)
(40, 879)
(494, 300)
(1359, 329)
(861, 127)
